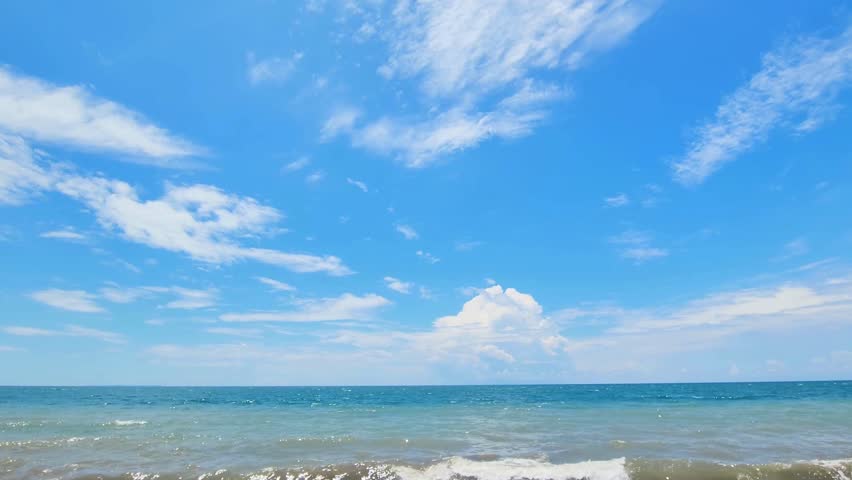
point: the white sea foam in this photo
(510, 468)
(840, 468)
(127, 423)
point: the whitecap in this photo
(127, 423)
(510, 468)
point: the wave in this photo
(459, 468)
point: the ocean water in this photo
(736, 431)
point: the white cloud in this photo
(496, 325)
(795, 89)
(339, 122)
(427, 257)
(479, 46)
(272, 69)
(640, 335)
(69, 331)
(236, 332)
(201, 221)
(21, 176)
(71, 115)
(297, 164)
(191, 299)
(795, 248)
(620, 200)
(361, 185)
(420, 143)
(478, 63)
(275, 284)
(64, 234)
(182, 298)
(71, 300)
(496, 353)
(466, 246)
(115, 294)
(635, 245)
(398, 285)
(315, 177)
(407, 231)
(8, 349)
(344, 307)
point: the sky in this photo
(434, 192)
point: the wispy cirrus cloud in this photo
(637, 246)
(359, 184)
(427, 257)
(297, 164)
(274, 70)
(407, 231)
(479, 64)
(276, 285)
(616, 201)
(71, 115)
(64, 234)
(236, 332)
(794, 89)
(344, 307)
(68, 331)
(71, 300)
(643, 336)
(22, 175)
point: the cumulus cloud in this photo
(71, 300)
(345, 307)
(496, 325)
(794, 89)
(73, 116)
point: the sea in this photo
(711, 431)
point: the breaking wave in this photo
(459, 468)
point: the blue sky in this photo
(394, 192)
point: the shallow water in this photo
(709, 431)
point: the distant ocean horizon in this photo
(358, 385)
(660, 431)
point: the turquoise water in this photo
(737, 431)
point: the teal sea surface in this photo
(737, 431)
